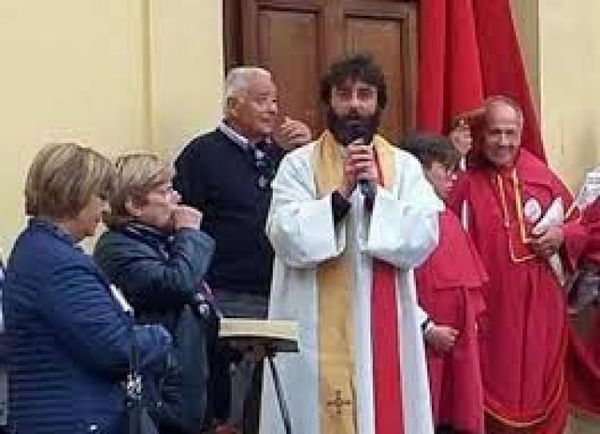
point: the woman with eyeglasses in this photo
(155, 252)
(70, 340)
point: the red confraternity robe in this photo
(584, 354)
(448, 288)
(523, 331)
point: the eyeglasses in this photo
(165, 190)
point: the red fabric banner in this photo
(468, 50)
(449, 66)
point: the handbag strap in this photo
(133, 386)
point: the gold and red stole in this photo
(509, 190)
(335, 283)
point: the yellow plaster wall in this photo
(187, 66)
(526, 17)
(116, 74)
(561, 44)
(570, 85)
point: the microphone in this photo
(368, 189)
(358, 130)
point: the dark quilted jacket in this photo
(161, 275)
(69, 340)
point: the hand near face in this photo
(186, 217)
(441, 338)
(548, 243)
(359, 164)
(291, 134)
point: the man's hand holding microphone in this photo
(359, 168)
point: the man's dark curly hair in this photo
(357, 67)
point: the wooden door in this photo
(298, 39)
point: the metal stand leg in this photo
(285, 413)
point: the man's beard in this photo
(352, 126)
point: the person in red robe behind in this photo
(591, 221)
(584, 355)
(448, 289)
(523, 332)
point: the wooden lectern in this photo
(267, 338)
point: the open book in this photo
(277, 335)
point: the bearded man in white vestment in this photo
(350, 217)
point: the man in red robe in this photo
(523, 332)
(448, 289)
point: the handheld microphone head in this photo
(367, 188)
(354, 130)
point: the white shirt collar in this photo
(234, 136)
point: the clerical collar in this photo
(236, 137)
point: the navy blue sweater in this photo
(218, 177)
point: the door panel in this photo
(288, 46)
(388, 40)
(298, 39)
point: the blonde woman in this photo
(155, 252)
(69, 339)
